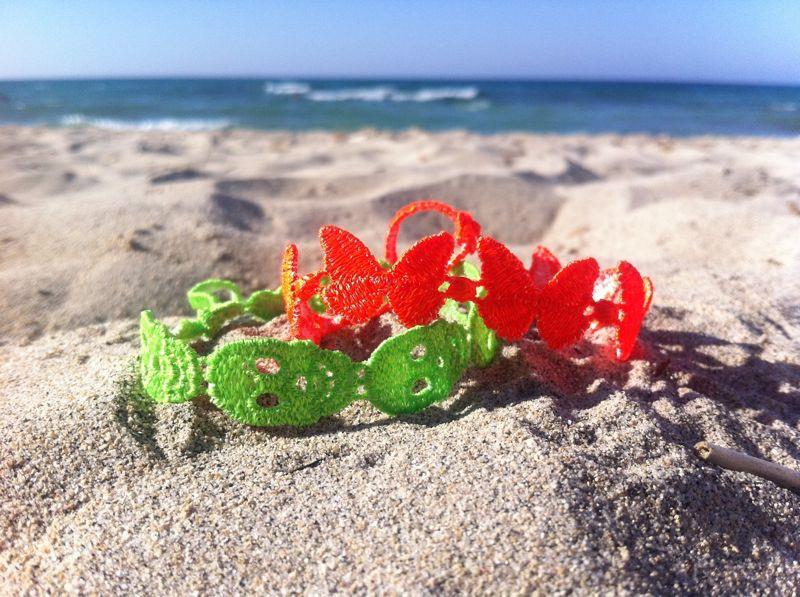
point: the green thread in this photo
(413, 370)
(203, 296)
(468, 270)
(213, 313)
(170, 369)
(265, 304)
(189, 329)
(483, 342)
(269, 382)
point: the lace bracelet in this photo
(456, 314)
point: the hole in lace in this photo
(223, 295)
(267, 366)
(420, 386)
(267, 401)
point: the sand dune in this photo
(547, 471)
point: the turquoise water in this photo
(480, 106)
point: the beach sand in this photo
(548, 471)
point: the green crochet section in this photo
(170, 369)
(468, 270)
(483, 342)
(214, 311)
(204, 295)
(268, 382)
(264, 304)
(411, 371)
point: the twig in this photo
(736, 461)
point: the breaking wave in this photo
(155, 124)
(376, 93)
(286, 88)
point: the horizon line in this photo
(476, 79)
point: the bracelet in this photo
(270, 382)
(455, 313)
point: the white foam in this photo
(157, 124)
(383, 93)
(785, 107)
(360, 94)
(436, 94)
(286, 88)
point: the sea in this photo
(481, 106)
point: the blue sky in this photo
(694, 40)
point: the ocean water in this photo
(480, 106)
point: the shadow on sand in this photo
(679, 359)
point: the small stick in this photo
(736, 461)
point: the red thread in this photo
(304, 322)
(461, 289)
(358, 284)
(414, 295)
(563, 303)
(544, 265)
(467, 230)
(568, 302)
(580, 297)
(623, 301)
(509, 306)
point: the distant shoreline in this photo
(367, 79)
(346, 105)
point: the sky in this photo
(755, 41)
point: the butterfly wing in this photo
(414, 295)
(634, 298)
(357, 282)
(544, 265)
(563, 303)
(509, 306)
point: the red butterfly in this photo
(509, 304)
(359, 288)
(581, 297)
(417, 286)
(566, 302)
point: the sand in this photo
(547, 472)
